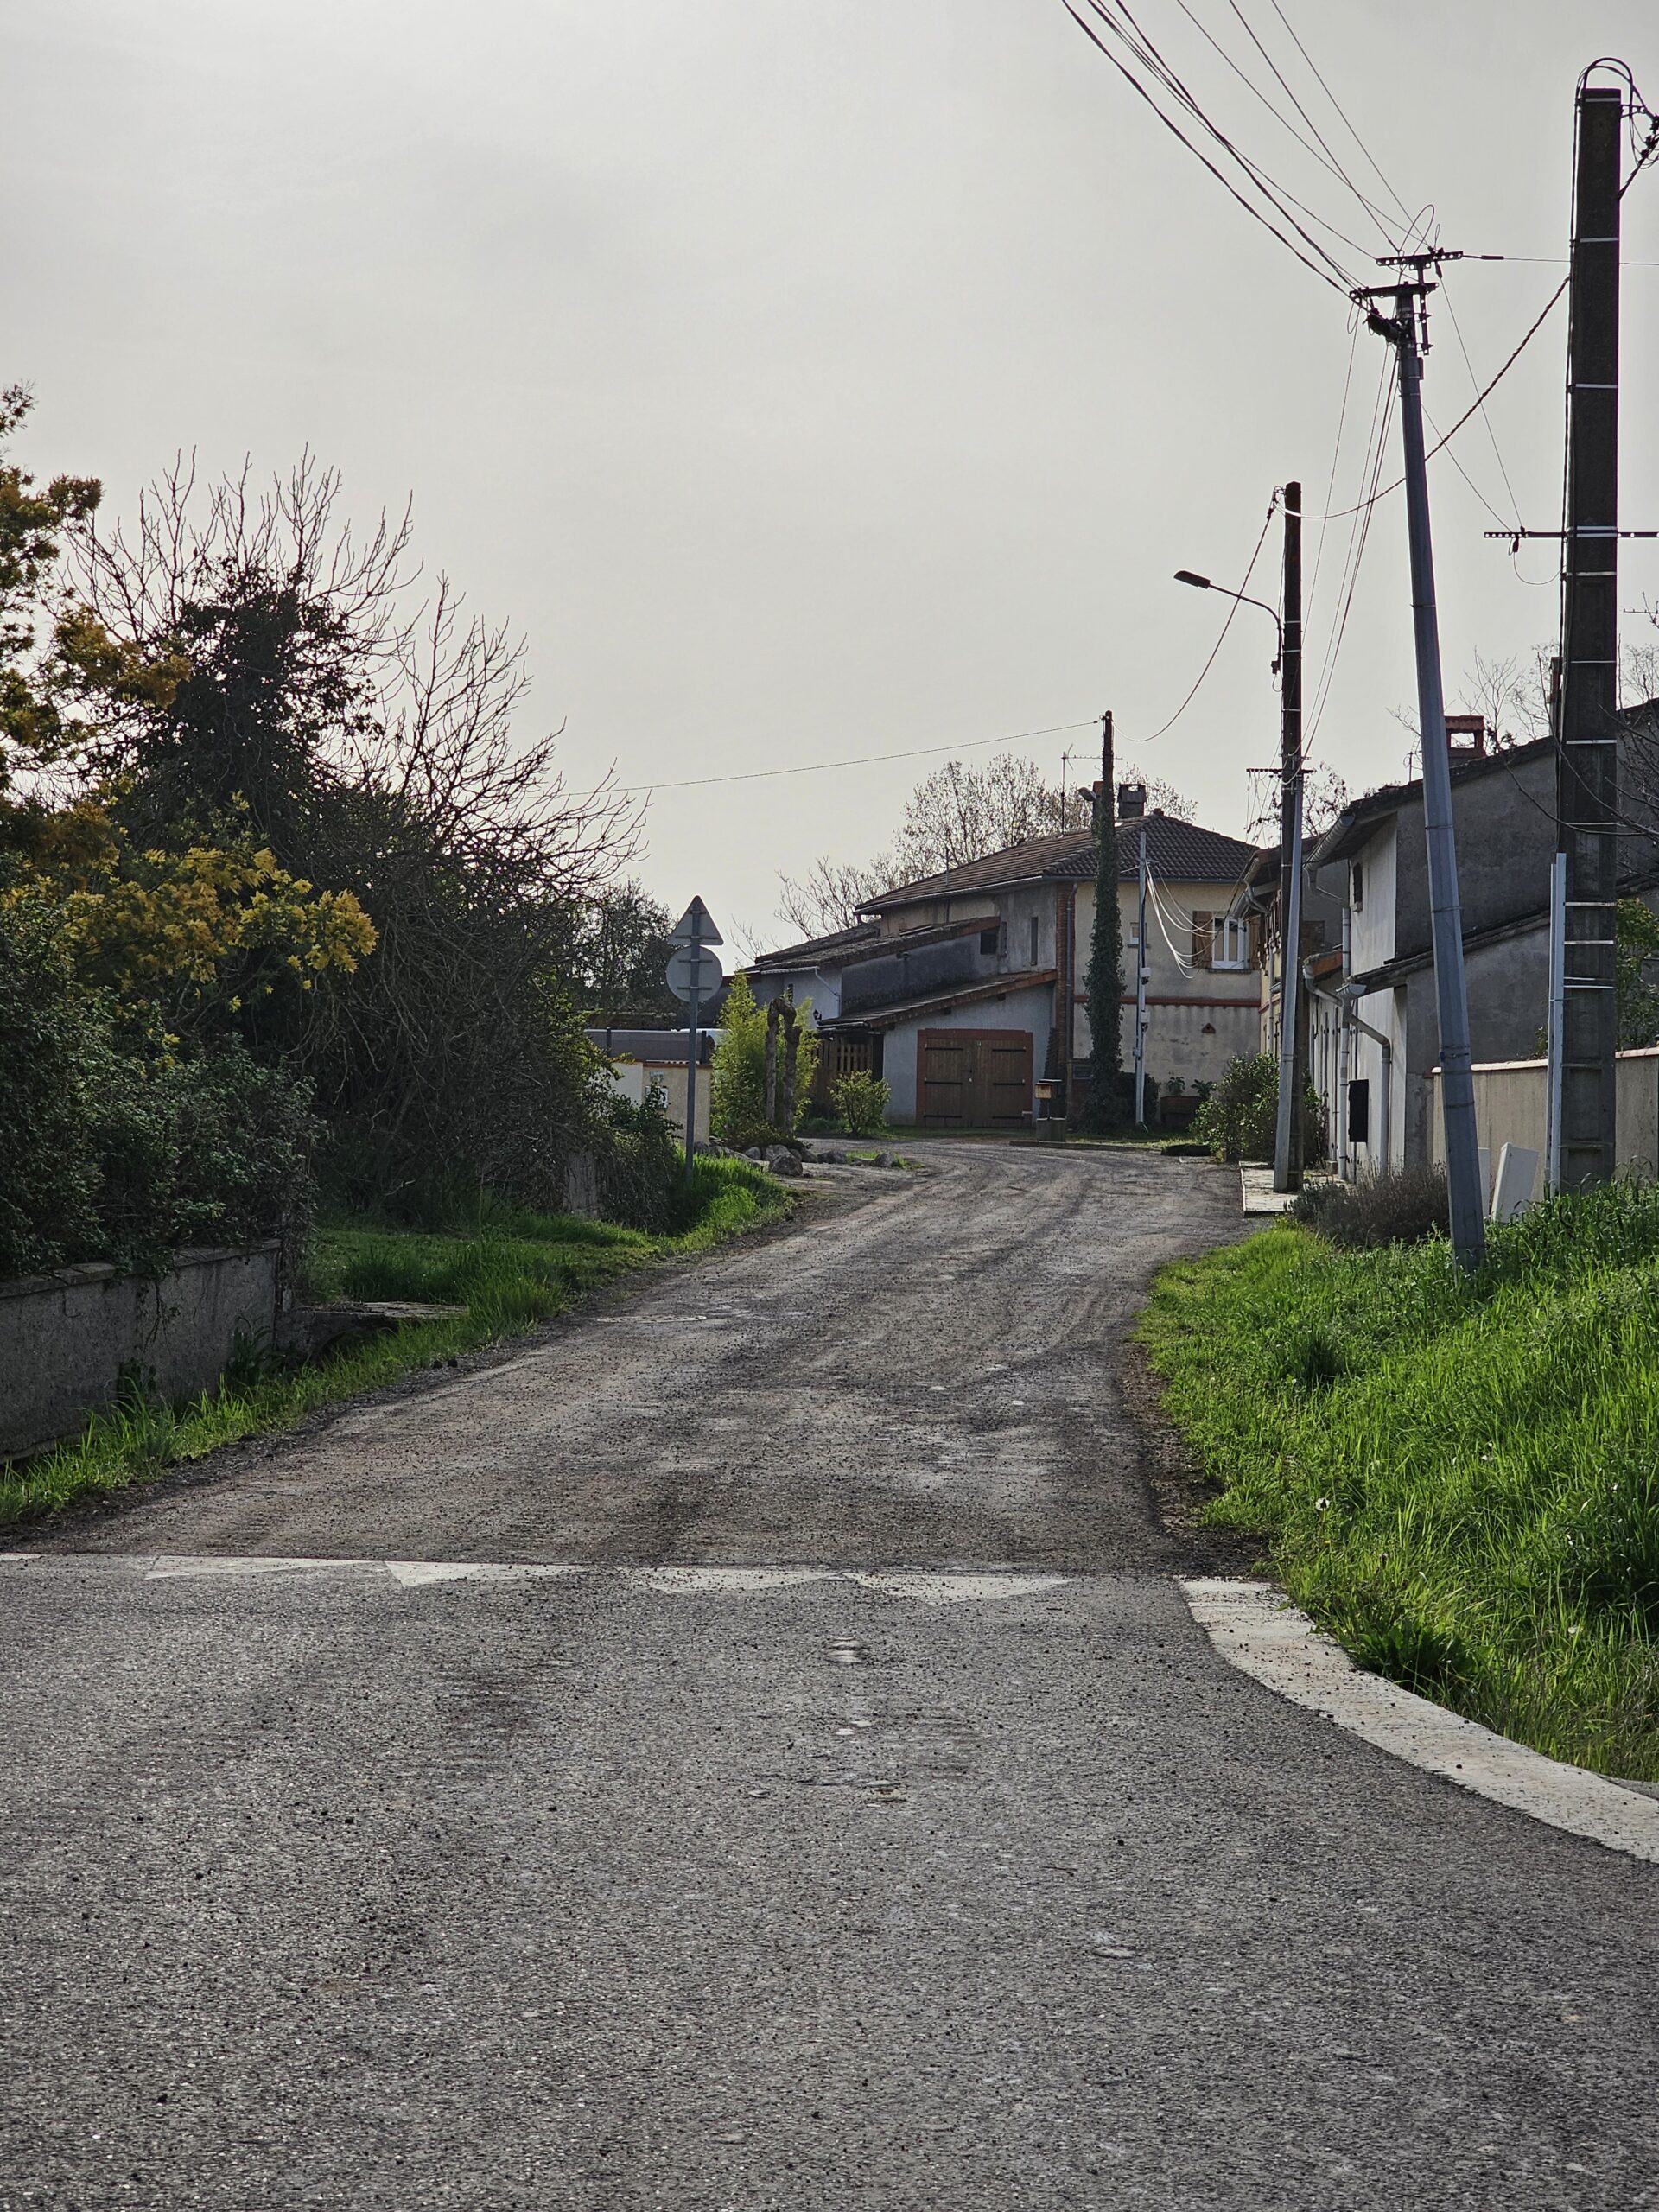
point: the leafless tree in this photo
(260, 666)
(958, 814)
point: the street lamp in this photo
(1286, 1151)
(1202, 583)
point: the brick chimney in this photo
(1466, 733)
(1131, 802)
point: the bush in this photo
(1401, 1209)
(113, 1155)
(861, 1101)
(1237, 1119)
(640, 1165)
(738, 1090)
(1238, 1114)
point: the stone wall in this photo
(66, 1337)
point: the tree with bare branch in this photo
(251, 665)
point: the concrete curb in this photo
(1257, 1629)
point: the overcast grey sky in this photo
(809, 381)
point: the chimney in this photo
(1131, 802)
(1466, 733)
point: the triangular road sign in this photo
(696, 916)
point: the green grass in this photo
(519, 1269)
(1460, 1479)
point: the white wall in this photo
(1371, 926)
(632, 1080)
(1030, 1010)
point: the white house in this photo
(964, 990)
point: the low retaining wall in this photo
(65, 1337)
(1510, 1109)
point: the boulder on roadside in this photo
(784, 1159)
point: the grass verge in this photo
(1460, 1479)
(520, 1269)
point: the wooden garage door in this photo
(974, 1078)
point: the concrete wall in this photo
(65, 1337)
(1510, 1108)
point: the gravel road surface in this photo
(776, 1771)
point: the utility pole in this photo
(1463, 1177)
(1103, 1109)
(1141, 974)
(1287, 1147)
(1586, 784)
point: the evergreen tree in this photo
(1103, 1106)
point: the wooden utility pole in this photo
(1293, 1050)
(1587, 754)
(1104, 1109)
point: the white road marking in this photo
(416, 1574)
(719, 1581)
(922, 1588)
(1256, 1629)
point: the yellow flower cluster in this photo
(178, 929)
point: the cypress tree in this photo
(1103, 1108)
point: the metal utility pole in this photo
(1287, 1147)
(1587, 785)
(1141, 974)
(1465, 1186)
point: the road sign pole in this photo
(693, 1007)
(688, 978)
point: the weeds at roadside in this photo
(1460, 1479)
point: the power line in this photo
(1358, 537)
(1272, 505)
(1325, 159)
(1332, 274)
(861, 760)
(1336, 166)
(1337, 103)
(1339, 513)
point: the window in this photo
(1031, 961)
(1357, 885)
(990, 940)
(1230, 943)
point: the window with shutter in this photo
(1204, 939)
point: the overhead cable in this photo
(860, 760)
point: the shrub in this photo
(861, 1101)
(1237, 1121)
(1238, 1114)
(1400, 1209)
(738, 1094)
(113, 1155)
(640, 1165)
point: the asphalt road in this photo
(780, 1773)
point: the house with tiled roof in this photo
(963, 991)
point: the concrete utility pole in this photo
(1586, 785)
(1287, 1147)
(1465, 1186)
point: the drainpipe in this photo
(1349, 1018)
(1345, 1166)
